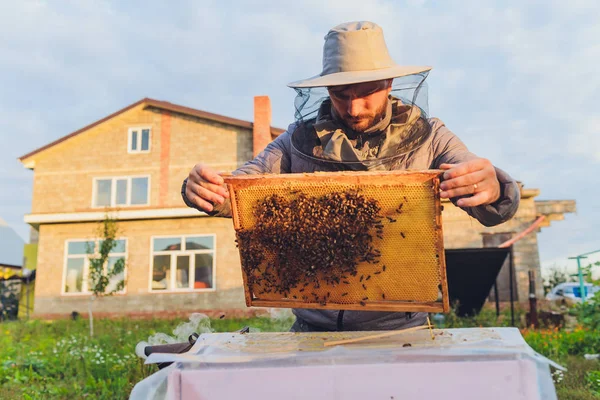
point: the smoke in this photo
(198, 323)
(281, 314)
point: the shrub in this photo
(588, 313)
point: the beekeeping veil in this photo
(356, 52)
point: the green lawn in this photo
(47, 360)
(43, 360)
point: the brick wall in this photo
(64, 173)
(51, 264)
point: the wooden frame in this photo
(379, 178)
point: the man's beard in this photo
(365, 121)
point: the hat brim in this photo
(352, 77)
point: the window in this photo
(77, 264)
(183, 263)
(139, 140)
(121, 191)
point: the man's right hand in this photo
(205, 187)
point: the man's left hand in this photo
(476, 178)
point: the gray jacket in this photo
(442, 146)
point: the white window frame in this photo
(113, 191)
(139, 139)
(173, 266)
(86, 266)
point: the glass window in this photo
(190, 266)
(120, 246)
(121, 191)
(103, 192)
(74, 275)
(145, 140)
(127, 191)
(134, 139)
(182, 272)
(166, 244)
(199, 243)
(139, 190)
(74, 248)
(139, 140)
(203, 271)
(77, 274)
(115, 280)
(161, 267)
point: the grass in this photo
(58, 359)
(576, 383)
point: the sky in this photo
(515, 80)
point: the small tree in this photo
(588, 272)
(100, 273)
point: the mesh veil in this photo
(409, 90)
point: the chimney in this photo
(261, 132)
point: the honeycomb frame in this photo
(412, 248)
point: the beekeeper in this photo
(365, 112)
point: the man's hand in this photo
(476, 177)
(204, 187)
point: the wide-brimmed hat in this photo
(355, 52)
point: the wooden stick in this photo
(430, 329)
(377, 336)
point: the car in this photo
(569, 293)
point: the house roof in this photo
(163, 105)
(11, 246)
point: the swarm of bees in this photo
(310, 241)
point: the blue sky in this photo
(516, 81)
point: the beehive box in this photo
(341, 240)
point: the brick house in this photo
(132, 163)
